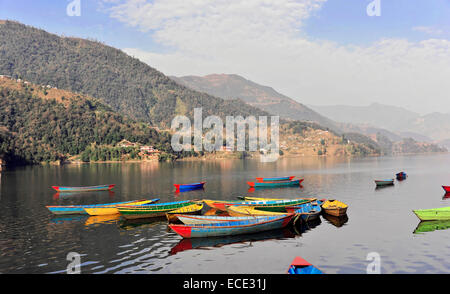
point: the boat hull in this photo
(110, 210)
(275, 183)
(81, 209)
(151, 210)
(301, 267)
(232, 228)
(275, 179)
(446, 189)
(83, 189)
(334, 208)
(187, 210)
(384, 183)
(272, 205)
(202, 219)
(433, 214)
(188, 187)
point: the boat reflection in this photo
(446, 196)
(65, 195)
(430, 226)
(102, 219)
(337, 221)
(130, 224)
(301, 226)
(215, 242)
(68, 219)
(253, 189)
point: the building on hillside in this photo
(125, 144)
(149, 149)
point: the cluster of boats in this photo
(390, 182)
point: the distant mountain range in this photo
(232, 86)
(434, 127)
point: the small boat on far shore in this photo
(383, 183)
(84, 189)
(401, 176)
(300, 266)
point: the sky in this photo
(319, 52)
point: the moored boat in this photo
(302, 267)
(253, 225)
(238, 210)
(446, 189)
(269, 184)
(401, 176)
(211, 219)
(275, 179)
(334, 207)
(272, 205)
(442, 213)
(382, 183)
(192, 209)
(80, 209)
(151, 210)
(307, 211)
(84, 189)
(112, 209)
(188, 187)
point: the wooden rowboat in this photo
(307, 211)
(83, 189)
(272, 205)
(442, 213)
(151, 210)
(192, 209)
(189, 187)
(302, 267)
(253, 225)
(274, 179)
(110, 210)
(209, 219)
(446, 189)
(334, 207)
(246, 198)
(401, 176)
(81, 209)
(275, 183)
(250, 211)
(382, 183)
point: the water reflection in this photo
(131, 224)
(337, 221)
(446, 196)
(430, 226)
(70, 195)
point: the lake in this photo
(32, 240)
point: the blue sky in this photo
(341, 21)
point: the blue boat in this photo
(83, 189)
(79, 209)
(301, 267)
(189, 187)
(401, 176)
(307, 211)
(278, 183)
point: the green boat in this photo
(430, 226)
(442, 213)
(151, 210)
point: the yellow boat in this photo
(195, 208)
(334, 207)
(249, 211)
(110, 210)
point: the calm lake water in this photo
(32, 240)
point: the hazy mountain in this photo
(404, 123)
(122, 82)
(231, 86)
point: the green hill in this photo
(120, 81)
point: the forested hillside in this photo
(122, 82)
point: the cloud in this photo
(428, 30)
(265, 41)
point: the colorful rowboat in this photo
(287, 183)
(253, 225)
(334, 207)
(80, 209)
(382, 183)
(307, 211)
(401, 176)
(446, 189)
(192, 209)
(246, 198)
(302, 267)
(442, 213)
(270, 205)
(275, 179)
(151, 210)
(84, 189)
(250, 211)
(189, 187)
(111, 210)
(205, 219)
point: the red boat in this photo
(446, 188)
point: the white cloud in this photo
(428, 30)
(264, 41)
